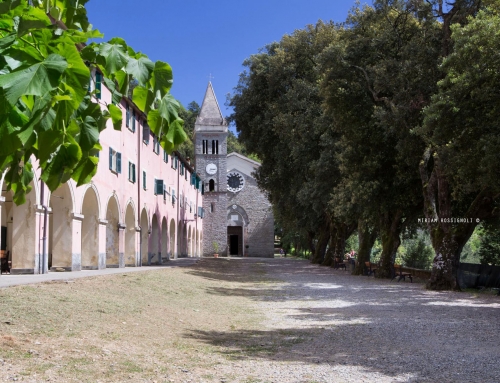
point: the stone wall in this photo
(259, 233)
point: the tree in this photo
(47, 111)
(377, 79)
(460, 167)
(189, 116)
(278, 114)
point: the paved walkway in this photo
(7, 280)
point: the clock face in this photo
(211, 169)
(235, 182)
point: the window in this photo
(156, 145)
(127, 119)
(212, 207)
(173, 196)
(115, 161)
(215, 146)
(145, 134)
(205, 146)
(175, 162)
(181, 200)
(144, 180)
(201, 212)
(133, 121)
(182, 169)
(159, 187)
(191, 206)
(211, 185)
(98, 82)
(165, 156)
(131, 172)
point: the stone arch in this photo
(112, 232)
(154, 242)
(6, 208)
(237, 210)
(26, 254)
(172, 239)
(144, 236)
(130, 236)
(61, 222)
(193, 243)
(90, 229)
(179, 239)
(184, 240)
(96, 192)
(164, 240)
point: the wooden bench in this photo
(371, 267)
(338, 263)
(398, 272)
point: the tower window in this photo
(212, 207)
(211, 185)
(215, 146)
(205, 146)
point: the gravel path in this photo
(323, 325)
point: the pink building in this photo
(142, 207)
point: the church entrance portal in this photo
(235, 240)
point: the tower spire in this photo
(210, 113)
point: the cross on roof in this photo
(210, 77)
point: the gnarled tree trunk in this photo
(366, 238)
(320, 250)
(448, 236)
(390, 231)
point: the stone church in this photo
(238, 217)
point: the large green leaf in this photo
(169, 108)
(116, 116)
(114, 55)
(77, 73)
(34, 19)
(143, 98)
(176, 134)
(36, 80)
(140, 69)
(60, 167)
(7, 5)
(85, 170)
(162, 78)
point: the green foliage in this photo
(189, 115)
(46, 109)
(417, 252)
(489, 249)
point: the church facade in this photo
(238, 219)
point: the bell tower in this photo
(210, 145)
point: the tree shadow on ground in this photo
(327, 317)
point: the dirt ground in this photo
(246, 320)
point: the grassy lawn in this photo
(125, 327)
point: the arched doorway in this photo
(6, 229)
(90, 230)
(26, 252)
(144, 237)
(112, 233)
(130, 235)
(154, 241)
(164, 240)
(172, 239)
(61, 231)
(180, 239)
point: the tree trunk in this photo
(324, 237)
(448, 237)
(366, 237)
(344, 231)
(390, 230)
(328, 261)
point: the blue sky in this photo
(198, 38)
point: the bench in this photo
(398, 272)
(371, 268)
(338, 263)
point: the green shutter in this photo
(110, 159)
(118, 162)
(98, 81)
